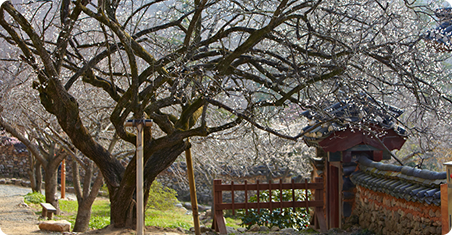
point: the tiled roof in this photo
(341, 115)
(405, 182)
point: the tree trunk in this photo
(83, 217)
(85, 196)
(123, 199)
(85, 204)
(50, 177)
(38, 171)
(32, 174)
(35, 174)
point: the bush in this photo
(283, 218)
(34, 197)
(161, 198)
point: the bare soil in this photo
(15, 216)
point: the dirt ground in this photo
(16, 217)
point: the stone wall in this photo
(384, 214)
(393, 199)
(13, 164)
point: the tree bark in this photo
(83, 217)
(50, 178)
(33, 174)
(123, 200)
(38, 172)
(85, 204)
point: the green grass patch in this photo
(160, 211)
(161, 198)
(168, 218)
(34, 198)
(100, 215)
(233, 222)
(98, 222)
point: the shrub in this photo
(34, 197)
(283, 218)
(161, 198)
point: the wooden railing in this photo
(219, 223)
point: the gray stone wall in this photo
(13, 164)
(384, 214)
(393, 199)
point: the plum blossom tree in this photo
(181, 62)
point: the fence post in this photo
(246, 197)
(219, 223)
(320, 217)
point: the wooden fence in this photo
(219, 223)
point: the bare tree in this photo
(47, 153)
(179, 62)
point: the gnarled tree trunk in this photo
(123, 199)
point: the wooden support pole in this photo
(193, 197)
(139, 124)
(63, 179)
(140, 207)
(445, 227)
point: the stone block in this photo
(231, 230)
(254, 228)
(288, 230)
(438, 213)
(57, 226)
(409, 216)
(432, 229)
(438, 230)
(417, 218)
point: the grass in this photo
(34, 197)
(233, 222)
(100, 216)
(169, 219)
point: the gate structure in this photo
(219, 223)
